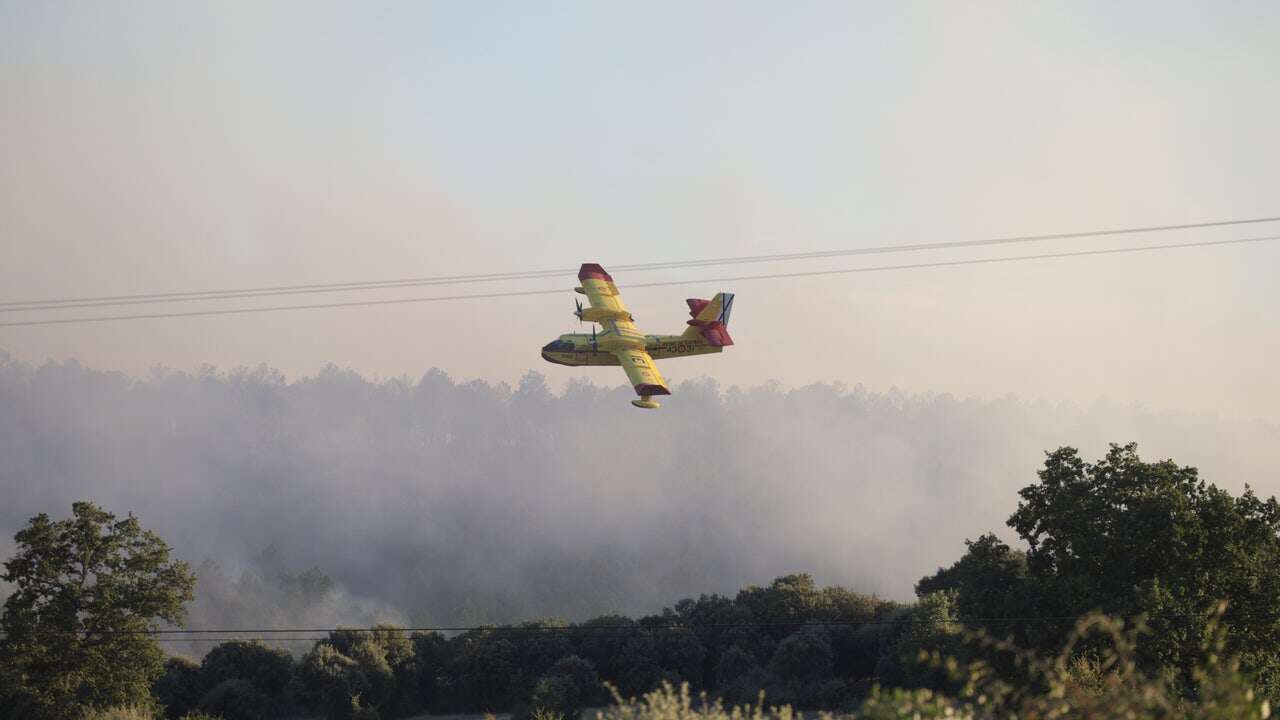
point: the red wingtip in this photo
(696, 306)
(593, 271)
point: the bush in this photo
(1073, 686)
(125, 712)
(668, 703)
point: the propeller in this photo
(593, 338)
(578, 311)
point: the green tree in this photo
(804, 656)
(484, 672)
(269, 669)
(802, 668)
(786, 603)
(372, 661)
(681, 654)
(734, 663)
(1128, 538)
(235, 699)
(331, 682)
(419, 678)
(600, 640)
(567, 687)
(88, 591)
(929, 626)
(178, 690)
(990, 583)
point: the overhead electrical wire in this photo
(276, 290)
(665, 283)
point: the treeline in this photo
(1146, 542)
(1149, 543)
(799, 643)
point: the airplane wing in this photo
(598, 286)
(606, 304)
(642, 372)
(620, 335)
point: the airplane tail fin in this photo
(711, 319)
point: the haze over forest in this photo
(435, 500)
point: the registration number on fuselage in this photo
(676, 348)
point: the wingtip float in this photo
(620, 343)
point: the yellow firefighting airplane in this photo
(620, 343)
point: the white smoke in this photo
(434, 501)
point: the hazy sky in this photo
(156, 146)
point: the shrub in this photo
(1071, 686)
(124, 712)
(668, 703)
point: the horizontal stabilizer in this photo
(711, 319)
(717, 335)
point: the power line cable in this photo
(666, 283)
(277, 290)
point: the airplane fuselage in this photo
(576, 349)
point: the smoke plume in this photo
(339, 499)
